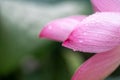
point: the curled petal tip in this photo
(60, 29)
(50, 32)
(41, 34)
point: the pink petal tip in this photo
(60, 29)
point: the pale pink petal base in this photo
(96, 33)
(99, 66)
(106, 5)
(60, 29)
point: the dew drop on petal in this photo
(80, 41)
(74, 50)
(84, 33)
(50, 27)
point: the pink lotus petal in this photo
(61, 28)
(99, 66)
(106, 5)
(79, 18)
(96, 33)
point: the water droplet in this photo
(74, 50)
(50, 27)
(86, 24)
(80, 41)
(84, 33)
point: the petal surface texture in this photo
(60, 29)
(97, 33)
(106, 5)
(99, 66)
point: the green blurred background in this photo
(23, 56)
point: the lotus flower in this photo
(97, 33)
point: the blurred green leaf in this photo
(21, 22)
(73, 60)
